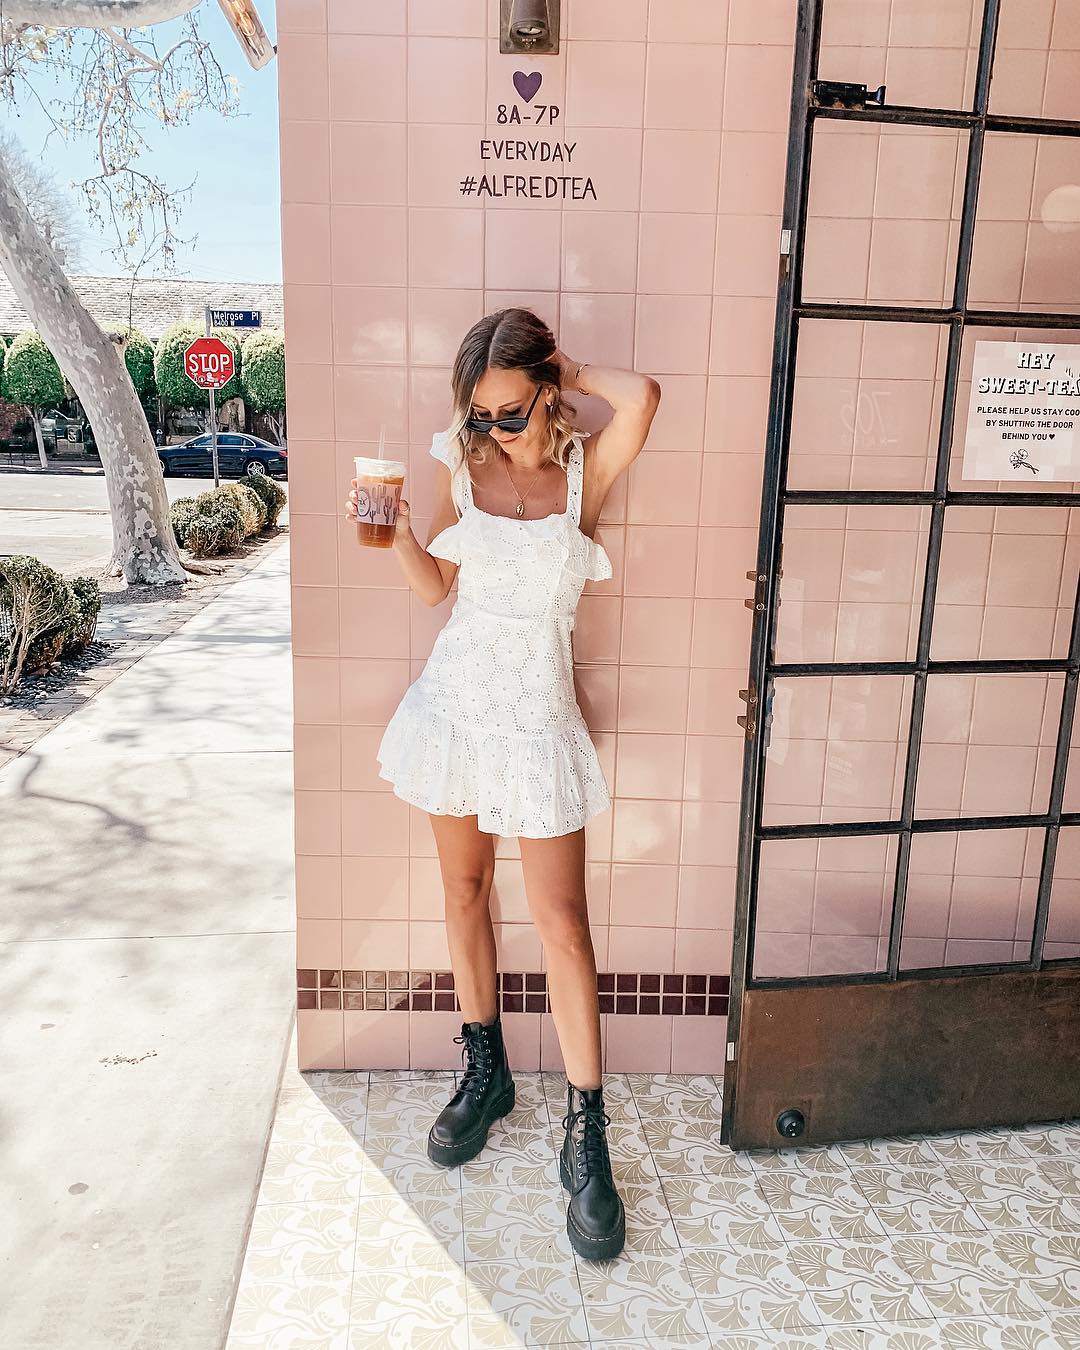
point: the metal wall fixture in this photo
(530, 27)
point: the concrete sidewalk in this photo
(147, 982)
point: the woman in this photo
(490, 740)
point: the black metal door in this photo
(907, 944)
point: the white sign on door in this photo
(1023, 413)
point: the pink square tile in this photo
(605, 84)
(638, 1043)
(715, 702)
(640, 949)
(438, 320)
(521, 1033)
(545, 304)
(368, 245)
(429, 403)
(426, 897)
(684, 87)
(317, 757)
(305, 242)
(752, 167)
(521, 248)
(369, 400)
(837, 259)
(918, 173)
(652, 698)
(687, 21)
(747, 248)
(597, 695)
(646, 831)
(762, 21)
(721, 634)
(316, 695)
(844, 171)
(314, 621)
(318, 943)
(714, 768)
(358, 565)
(501, 90)
(305, 162)
(676, 253)
(374, 622)
(302, 65)
(702, 952)
(431, 1040)
(369, 325)
(435, 151)
(448, 18)
(710, 834)
(650, 765)
(672, 333)
(618, 149)
(310, 398)
(367, 163)
(367, 78)
(320, 1041)
(376, 1040)
(680, 419)
(667, 182)
(656, 630)
(731, 489)
(600, 21)
(550, 1054)
(313, 549)
(446, 248)
(374, 823)
(597, 628)
(374, 944)
(757, 87)
(742, 336)
(517, 947)
(908, 261)
(599, 250)
(432, 97)
(724, 557)
(317, 821)
(301, 16)
(359, 766)
(318, 888)
(371, 690)
(698, 1044)
(660, 559)
(425, 624)
(707, 899)
(643, 894)
(599, 323)
(366, 16)
(307, 324)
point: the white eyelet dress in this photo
(491, 727)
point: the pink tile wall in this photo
(680, 116)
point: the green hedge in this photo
(219, 520)
(43, 617)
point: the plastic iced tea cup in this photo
(378, 491)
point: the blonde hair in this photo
(509, 339)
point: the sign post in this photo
(209, 363)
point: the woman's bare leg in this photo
(555, 885)
(467, 863)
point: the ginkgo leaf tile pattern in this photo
(968, 1241)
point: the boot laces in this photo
(477, 1048)
(591, 1144)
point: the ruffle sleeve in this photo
(447, 544)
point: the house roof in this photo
(154, 303)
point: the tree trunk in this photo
(43, 458)
(144, 547)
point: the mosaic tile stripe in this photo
(519, 991)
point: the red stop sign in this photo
(209, 362)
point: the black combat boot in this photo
(485, 1093)
(595, 1220)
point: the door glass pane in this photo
(824, 906)
(866, 405)
(1063, 922)
(835, 748)
(988, 745)
(924, 54)
(1037, 61)
(882, 214)
(852, 583)
(970, 897)
(1006, 583)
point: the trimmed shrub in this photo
(250, 505)
(43, 617)
(83, 626)
(273, 496)
(182, 512)
(203, 536)
(231, 523)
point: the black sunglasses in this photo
(511, 424)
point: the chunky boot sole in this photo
(452, 1155)
(592, 1248)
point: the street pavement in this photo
(146, 972)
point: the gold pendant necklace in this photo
(519, 510)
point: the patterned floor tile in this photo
(1055, 1139)
(311, 1172)
(888, 1150)
(722, 1213)
(522, 1225)
(797, 1338)
(662, 1084)
(290, 1315)
(406, 1309)
(982, 1146)
(854, 1282)
(916, 1200)
(680, 1104)
(301, 1242)
(401, 1163)
(922, 1335)
(826, 1159)
(1066, 1327)
(644, 1296)
(692, 1147)
(415, 1231)
(1064, 1173)
(391, 1097)
(1000, 1333)
(1048, 1262)
(649, 1228)
(742, 1290)
(808, 1206)
(1014, 1195)
(514, 1305)
(964, 1276)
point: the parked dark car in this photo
(238, 454)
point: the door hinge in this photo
(756, 602)
(748, 720)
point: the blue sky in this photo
(234, 204)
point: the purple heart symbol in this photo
(527, 83)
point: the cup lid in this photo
(378, 468)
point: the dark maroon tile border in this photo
(519, 991)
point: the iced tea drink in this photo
(378, 491)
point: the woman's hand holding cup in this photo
(402, 524)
